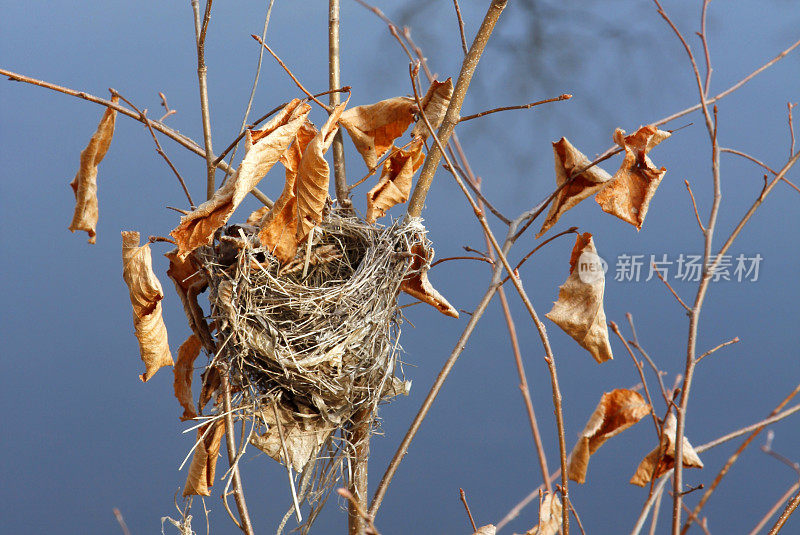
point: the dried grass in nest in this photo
(306, 353)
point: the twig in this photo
(369, 519)
(640, 349)
(501, 253)
(121, 521)
(565, 96)
(337, 148)
(763, 522)
(464, 47)
(463, 495)
(577, 518)
(656, 511)
(654, 497)
(791, 507)
(202, 77)
(468, 67)
(476, 190)
(570, 230)
(359, 438)
(515, 511)
(704, 39)
(733, 458)
(449, 258)
(159, 149)
(760, 163)
(671, 289)
(744, 430)
(166, 107)
(638, 365)
(767, 448)
(791, 128)
(291, 75)
(238, 491)
(379, 164)
(694, 206)
(720, 346)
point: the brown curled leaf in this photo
(394, 186)
(84, 185)
(189, 282)
(264, 149)
(416, 283)
(256, 216)
(374, 127)
(628, 194)
(579, 309)
(549, 516)
(146, 295)
(434, 104)
(568, 160)
(617, 411)
(183, 370)
(279, 226)
(304, 434)
(662, 459)
(211, 381)
(204, 462)
(488, 529)
(313, 176)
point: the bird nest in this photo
(311, 345)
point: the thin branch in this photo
(720, 346)
(759, 163)
(744, 430)
(359, 438)
(121, 521)
(694, 206)
(475, 189)
(238, 491)
(468, 67)
(671, 289)
(463, 495)
(791, 128)
(159, 149)
(291, 75)
(559, 98)
(167, 110)
(549, 357)
(570, 230)
(638, 365)
(640, 349)
(337, 148)
(202, 78)
(449, 258)
(731, 89)
(791, 507)
(577, 518)
(515, 511)
(704, 39)
(767, 448)
(464, 47)
(734, 457)
(369, 519)
(763, 522)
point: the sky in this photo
(83, 435)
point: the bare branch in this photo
(202, 77)
(559, 98)
(461, 491)
(694, 206)
(720, 346)
(337, 148)
(464, 47)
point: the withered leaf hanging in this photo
(569, 160)
(264, 149)
(374, 127)
(146, 295)
(628, 194)
(84, 185)
(662, 458)
(183, 370)
(204, 462)
(579, 309)
(416, 283)
(394, 186)
(434, 104)
(617, 411)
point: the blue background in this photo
(82, 435)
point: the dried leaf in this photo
(628, 194)
(256, 216)
(279, 227)
(204, 463)
(264, 149)
(434, 103)
(617, 411)
(374, 127)
(658, 464)
(146, 295)
(303, 435)
(189, 283)
(579, 309)
(569, 160)
(84, 185)
(211, 381)
(319, 255)
(549, 516)
(313, 176)
(183, 370)
(416, 283)
(394, 186)
(488, 529)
